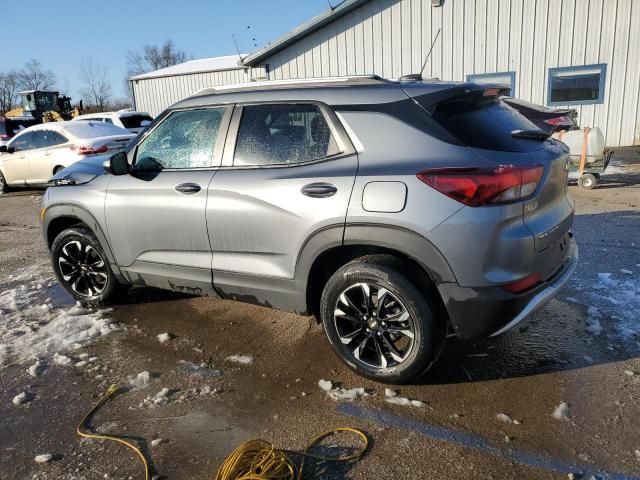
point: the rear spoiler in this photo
(429, 101)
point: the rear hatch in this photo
(478, 119)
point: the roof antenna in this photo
(424, 65)
(418, 76)
(235, 41)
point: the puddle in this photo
(59, 296)
(207, 434)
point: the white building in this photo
(582, 54)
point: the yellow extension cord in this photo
(253, 460)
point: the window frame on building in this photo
(556, 71)
(473, 78)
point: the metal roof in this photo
(203, 65)
(303, 30)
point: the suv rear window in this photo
(485, 122)
(136, 121)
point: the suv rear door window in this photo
(485, 122)
(183, 139)
(283, 134)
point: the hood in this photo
(80, 172)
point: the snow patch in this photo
(33, 328)
(156, 442)
(503, 417)
(241, 359)
(561, 412)
(393, 398)
(43, 458)
(164, 337)
(338, 394)
(36, 369)
(22, 399)
(140, 380)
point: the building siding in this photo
(391, 37)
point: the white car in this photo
(135, 122)
(38, 152)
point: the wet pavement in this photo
(582, 349)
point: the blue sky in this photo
(60, 34)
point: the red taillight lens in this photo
(564, 120)
(521, 285)
(483, 186)
(80, 150)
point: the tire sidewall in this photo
(426, 333)
(84, 235)
(3, 184)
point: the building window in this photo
(581, 85)
(502, 78)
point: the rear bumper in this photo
(490, 311)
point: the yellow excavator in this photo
(42, 106)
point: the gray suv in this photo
(396, 212)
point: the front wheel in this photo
(81, 266)
(588, 181)
(378, 322)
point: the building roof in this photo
(302, 31)
(203, 65)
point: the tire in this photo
(397, 351)
(587, 181)
(4, 188)
(82, 268)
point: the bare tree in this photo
(34, 77)
(154, 57)
(9, 89)
(97, 89)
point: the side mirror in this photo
(117, 164)
(4, 149)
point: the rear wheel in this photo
(587, 181)
(81, 266)
(378, 322)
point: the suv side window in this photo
(283, 134)
(184, 139)
(26, 141)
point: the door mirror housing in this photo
(118, 164)
(4, 149)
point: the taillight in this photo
(484, 186)
(81, 150)
(521, 285)
(564, 120)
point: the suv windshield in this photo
(485, 122)
(135, 121)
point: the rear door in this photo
(156, 214)
(288, 172)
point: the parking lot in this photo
(227, 372)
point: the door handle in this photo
(319, 190)
(188, 188)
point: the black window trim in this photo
(218, 147)
(345, 146)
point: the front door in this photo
(16, 165)
(289, 171)
(156, 214)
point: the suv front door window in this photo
(184, 139)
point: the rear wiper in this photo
(532, 134)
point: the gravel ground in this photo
(583, 349)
